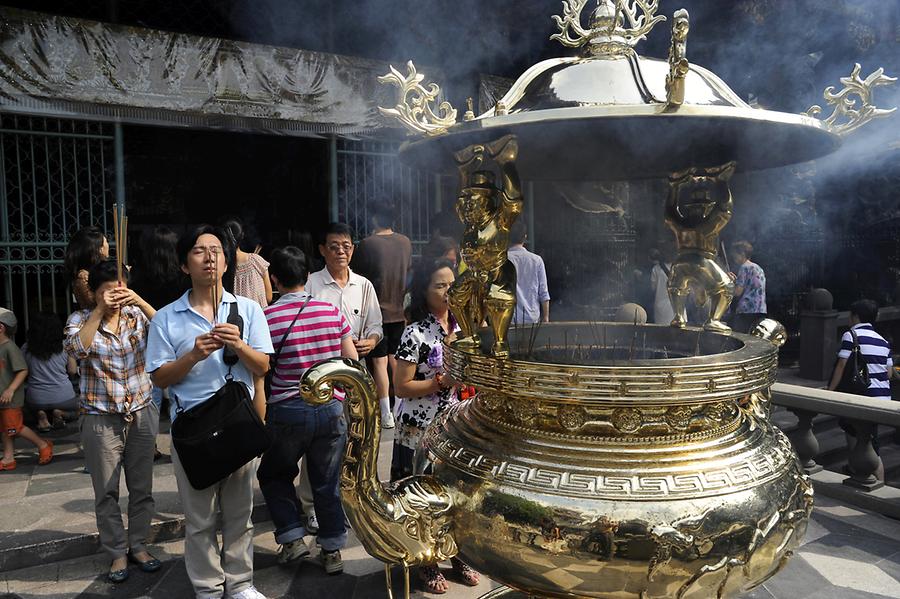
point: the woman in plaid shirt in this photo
(119, 422)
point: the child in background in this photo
(13, 372)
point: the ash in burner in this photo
(599, 343)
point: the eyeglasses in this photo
(206, 249)
(336, 248)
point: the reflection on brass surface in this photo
(487, 288)
(563, 490)
(678, 62)
(558, 505)
(853, 104)
(616, 25)
(416, 112)
(406, 523)
(697, 209)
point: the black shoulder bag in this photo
(273, 361)
(217, 437)
(856, 372)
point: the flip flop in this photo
(8, 466)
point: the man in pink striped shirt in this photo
(304, 331)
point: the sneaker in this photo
(248, 593)
(312, 524)
(292, 551)
(387, 420)
(332, 562)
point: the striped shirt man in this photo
(876, 352)
(315, 336)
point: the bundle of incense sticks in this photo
(120, 232)
(214, 254)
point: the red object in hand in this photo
(467, 392)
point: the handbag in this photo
(222, 434)
(856, 372)
(273, 360)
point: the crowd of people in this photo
(157, 333)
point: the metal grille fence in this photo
(55, 176)
(370, 172)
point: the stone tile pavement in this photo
(48, 545)
(848, 554)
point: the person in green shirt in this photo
(13, 372)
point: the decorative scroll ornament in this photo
(414, 103)
(848, 115)
(616, 25)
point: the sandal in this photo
(58, 423)
(469, 576)
(44, 429)
(6, 466)
(45, 455)
(432, 579)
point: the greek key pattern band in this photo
(758, 469)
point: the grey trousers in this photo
(215, 571)
(107, 451)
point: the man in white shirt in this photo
(532, 297)
(353, 294)
(355, 297)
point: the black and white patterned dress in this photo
(422, 344)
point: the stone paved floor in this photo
(848, 553)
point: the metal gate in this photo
(370, 172)
(55, 177)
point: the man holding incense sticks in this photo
(185, 355)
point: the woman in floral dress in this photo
(749, 288)
(422, 388)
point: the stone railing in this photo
(863, 414)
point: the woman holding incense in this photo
(86, 248)
(423, 389)
(119, 422)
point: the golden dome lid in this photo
(610, 113)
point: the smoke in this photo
(779, 55)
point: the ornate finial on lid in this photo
(414, 103)
(845, 105)
(616, 25)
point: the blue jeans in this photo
(319, 433)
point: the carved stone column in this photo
(804, 441)
(863, 460)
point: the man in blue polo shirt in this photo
(184, 355)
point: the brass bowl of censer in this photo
(597, 459)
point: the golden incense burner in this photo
(597, 459)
